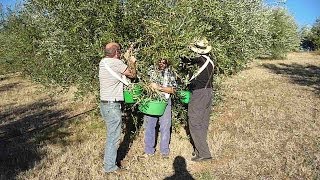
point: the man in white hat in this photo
(199, 107)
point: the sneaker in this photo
(117, 171)
(165, 156)
(193, 153)
(146, 155)
(200, 159)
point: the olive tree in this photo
(61, 42)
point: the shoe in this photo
(193, 153)
(146, 155)
(165, 156)
(117, 171)
(199, 159)
(122, 168)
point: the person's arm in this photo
(169, 90)
(191, 61)
(131, 70)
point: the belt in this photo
(110, 101)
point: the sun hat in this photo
(201, 46)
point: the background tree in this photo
(284, 33)
(305, 38)
(315, 34)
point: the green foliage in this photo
(284, 34)
(60, 42)
(315, 34)
(16, 44)
(310, 36)
(305, 38)
(235, 30)
(71, 35)
(65, 38)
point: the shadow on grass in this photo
(131, 129)
(8, 87)
(303, 75)
(180, 170)
(19, 128)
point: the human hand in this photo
(132, 59)
(130, 49)
(128, 53)
(154, 86)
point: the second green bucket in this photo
(184, 96)
(153, 107)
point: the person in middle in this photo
(163, 80)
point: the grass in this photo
(317, 52)
(266, 127)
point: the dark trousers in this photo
(199, 110)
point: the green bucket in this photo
(131, 96)
(184, 96)
(153, 107)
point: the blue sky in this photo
(305, 12)
(9, 3)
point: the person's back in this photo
(111, 89)
(205, 78)
(111, 94)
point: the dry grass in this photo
(271, 116)
(266, 128)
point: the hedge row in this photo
(61, 41)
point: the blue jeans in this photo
(111, 113)
(150, 131)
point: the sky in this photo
(10, 3)
(305, 12)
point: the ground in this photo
(266, 127)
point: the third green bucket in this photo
(184, 96)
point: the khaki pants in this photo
(199, 110)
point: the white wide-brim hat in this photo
(201, 46)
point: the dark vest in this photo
(205, 78)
